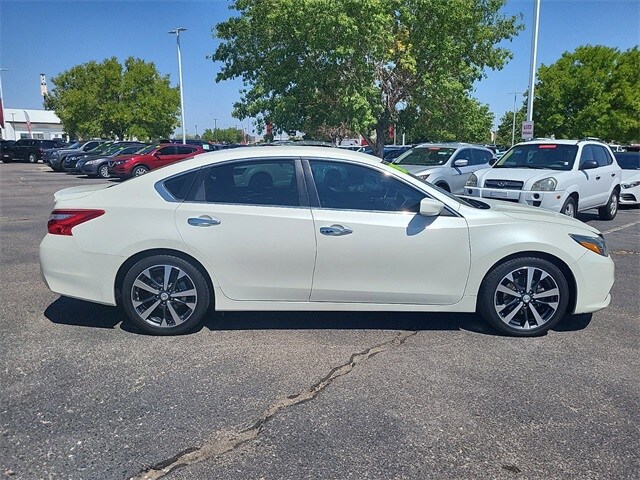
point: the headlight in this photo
(545, 185)
(472, 181)
(595, 244)
(90, 162)
(630, 185)
(424, 177)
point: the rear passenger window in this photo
(601, 156)
(184, 150)
(180, 185)
(271, 182)
(481, 157)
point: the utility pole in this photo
(513, 129)
(215, 129)
(176, 32)
(534, 55)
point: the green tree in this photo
(505, 127)
(309, 64)
(109, 99)
(223, 135)
(593, 91)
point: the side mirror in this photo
(461, 163)
(588, 165)
(430, 207)
(493, 161)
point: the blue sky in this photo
(52, 36)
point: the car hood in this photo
(420, 169)
(516, 174)
(630, 175)
(535, 214)
(72, 193)
(124, 157)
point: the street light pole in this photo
(215, 129)
(534, 56)
(1, 96)
(513, 129)
(176, 32)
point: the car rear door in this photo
(373, 246)
(590, 180)
(251, 222)
(609, 172)
(164, 156)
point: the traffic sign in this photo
(527, 130)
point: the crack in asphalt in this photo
(225, 442)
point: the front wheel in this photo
(165, 295)
(524, 297)
(32, 158)
(103, 171)
(139, 170)
(569, 208)
(610, 210)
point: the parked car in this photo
(630, 164)
(567, 176)
(30, 149)
(70, 160)
(98, 165)
(6, 153)
(338, 231)
(206, 145)
(55, 157)
(153, 156)
(446, 165)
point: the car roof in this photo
(450, 145)
(562, 141)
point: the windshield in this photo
(628, 161)
(552, 156)
(74, 146)
(148, 149)
(430, 156)
(101, 148)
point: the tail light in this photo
(62, 222)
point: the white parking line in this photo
(621, 227)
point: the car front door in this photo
(373, 246)
(459, 175)
(590, 179)
(164, 156)
(250, 223)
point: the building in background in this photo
(44, 124)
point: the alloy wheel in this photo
(164, 296)
(569, 210)
(526, 298)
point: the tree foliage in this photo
(593, 91)
(505, 127)
(223, 135)
(109, 100)
(312, 64)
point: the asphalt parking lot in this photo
(306, 395)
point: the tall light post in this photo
(513, 129)
(1, 104)
(215, 129)
(534, 56)
(176, 32)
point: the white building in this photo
(45, 124)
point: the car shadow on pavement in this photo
(69, 311)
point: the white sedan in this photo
(315, 229)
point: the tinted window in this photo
(129, 150)
(353, 187)
(429, 156)
(270, 182)
(167, 150)
(180, 185)
(465, 154)
(184, 150)
(22, 143)
(553, 156)
(601, 155)
(48, 144)
(628, 160)
(481, 157)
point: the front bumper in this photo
(594, 275)
(547, 200)
(630, 196)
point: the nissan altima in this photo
(304, 228)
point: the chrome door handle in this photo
(335, 231)
(598, 177)
(204, 221)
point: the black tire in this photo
(524, 313)
(570, 207)
(167, 312)
(103, 171)
(32, 158)
(610, 210)
(139, 170)
(443, 186)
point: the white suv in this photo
(566, 176)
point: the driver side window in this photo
(347, 186)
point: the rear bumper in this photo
(69, 271)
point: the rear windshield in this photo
(430, 156)
(552, 156)
(628, 161)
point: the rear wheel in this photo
(32, 158)
(165, 295)
(139, 170)
(610, 210)
(570, 207)
(524, 297)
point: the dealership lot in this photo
(299, 395)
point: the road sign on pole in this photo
(527, 130)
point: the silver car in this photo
(446, 165)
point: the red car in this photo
(153, 156)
